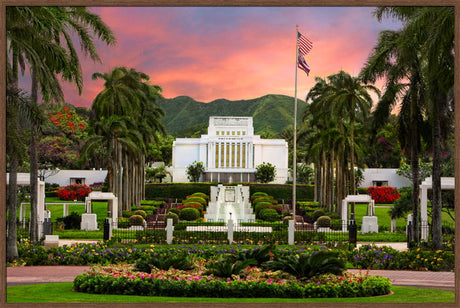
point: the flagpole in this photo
(294, 159)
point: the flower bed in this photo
(125, 280)
(367, 257)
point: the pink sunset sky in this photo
(231, 52)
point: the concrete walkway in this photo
(47, 274)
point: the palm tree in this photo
(127, 94)
(397, 58)
(350, 100)
(436, 26)
(41, 37)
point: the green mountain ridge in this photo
(271, 112)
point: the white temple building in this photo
(230, 152)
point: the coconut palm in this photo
(397, 58)
(435, 26)
(127, 94)
(350, 100)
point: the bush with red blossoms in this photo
(73, 192)
(383, 194)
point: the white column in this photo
(230, 155)
(423, 213)
(225, 154)
(218, 154)
(241, 156)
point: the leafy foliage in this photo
(307, 266)
(163, 262)
(194, 171)
(228, 267)
(265, 172)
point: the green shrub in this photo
(308, 265)
(317, 214)
(189, 214)
(174, 217)
(71, 221)
(269, 215)
(123, 222)
(323, 222)
(141, 213)
(260, 206)
(174, 210)
(264, 199)
(200, 200)
(163, 262)
(258, 194)
(136, 220)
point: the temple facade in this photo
(230, 152)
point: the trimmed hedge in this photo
(180, 191)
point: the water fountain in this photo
(229, 202)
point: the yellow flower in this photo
(438, 251)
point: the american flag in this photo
(305, 45)
(302, 64)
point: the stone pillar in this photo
(169, 231)
(291, 229)
(230, 231)
(423, 214)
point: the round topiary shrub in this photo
(269, 215)
(317, 214)
(195, 200)
(136, 220)
(173, 216)
(141, 213)
(265, 199)
(174, 210)
(323, 222)
(260, 206)
(189, 214)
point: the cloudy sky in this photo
(230, 52)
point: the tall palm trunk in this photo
(11, 242)
(413, 130)
(324, 181)
(33, 158)
(352, 156)
(436, 176)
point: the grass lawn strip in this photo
(62, 293)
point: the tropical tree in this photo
(397, 58)
(350, 99)
(128, 100)
(195, 170)
(435, 27)
(19, 113)
(42, 38)
(265, 172)
(417, 62)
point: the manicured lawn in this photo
(98, 207)
(62, 293)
